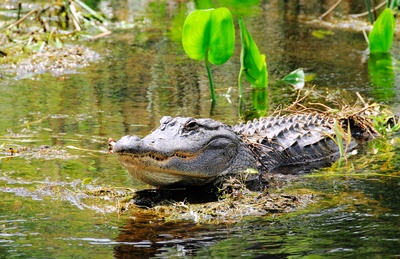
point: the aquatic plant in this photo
(209, 35)
(296, 78)
(385, 123)
(381, 36)
(253, 64)
(341, 135)
(393, 4)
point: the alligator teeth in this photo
(180, 155)
(156, 157)
(159, 157)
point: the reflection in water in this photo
(361, 227)
(259, 106)
(146, 235)
(382, 76)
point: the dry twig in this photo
(330, 10)
(23, 18)
(372, 10)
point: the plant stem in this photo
(212, 108)
(240, 82)
(240, 108)
(213, 98)
(19, 13)
(368, 4)
(240, 92)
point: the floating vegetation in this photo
(75, 192)
(35, 38)
(57, 61)
(382, 161)
(230, 208)
(11, 151)
(30, 140)
(235, 208)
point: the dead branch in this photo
(361, 99)
(330, 10)
(101, 35)
(23, 18)
(372, 10)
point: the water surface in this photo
(62, 124)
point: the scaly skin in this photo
(184, 152)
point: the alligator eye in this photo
(191, 124)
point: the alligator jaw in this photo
(183, 152)
(154, 171)
(162, 163)
(158, 157)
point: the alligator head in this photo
(184, 152)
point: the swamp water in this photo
(61, 125)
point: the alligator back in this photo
(300, 141)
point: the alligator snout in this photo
(127, 144)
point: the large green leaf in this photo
(209, 33)
(253, 63)
(381, 35)
(262, 80)
(251, 59)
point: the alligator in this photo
(189, 152)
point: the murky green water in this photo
(62, 124)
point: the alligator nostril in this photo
(165, 120)
(135, 138)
